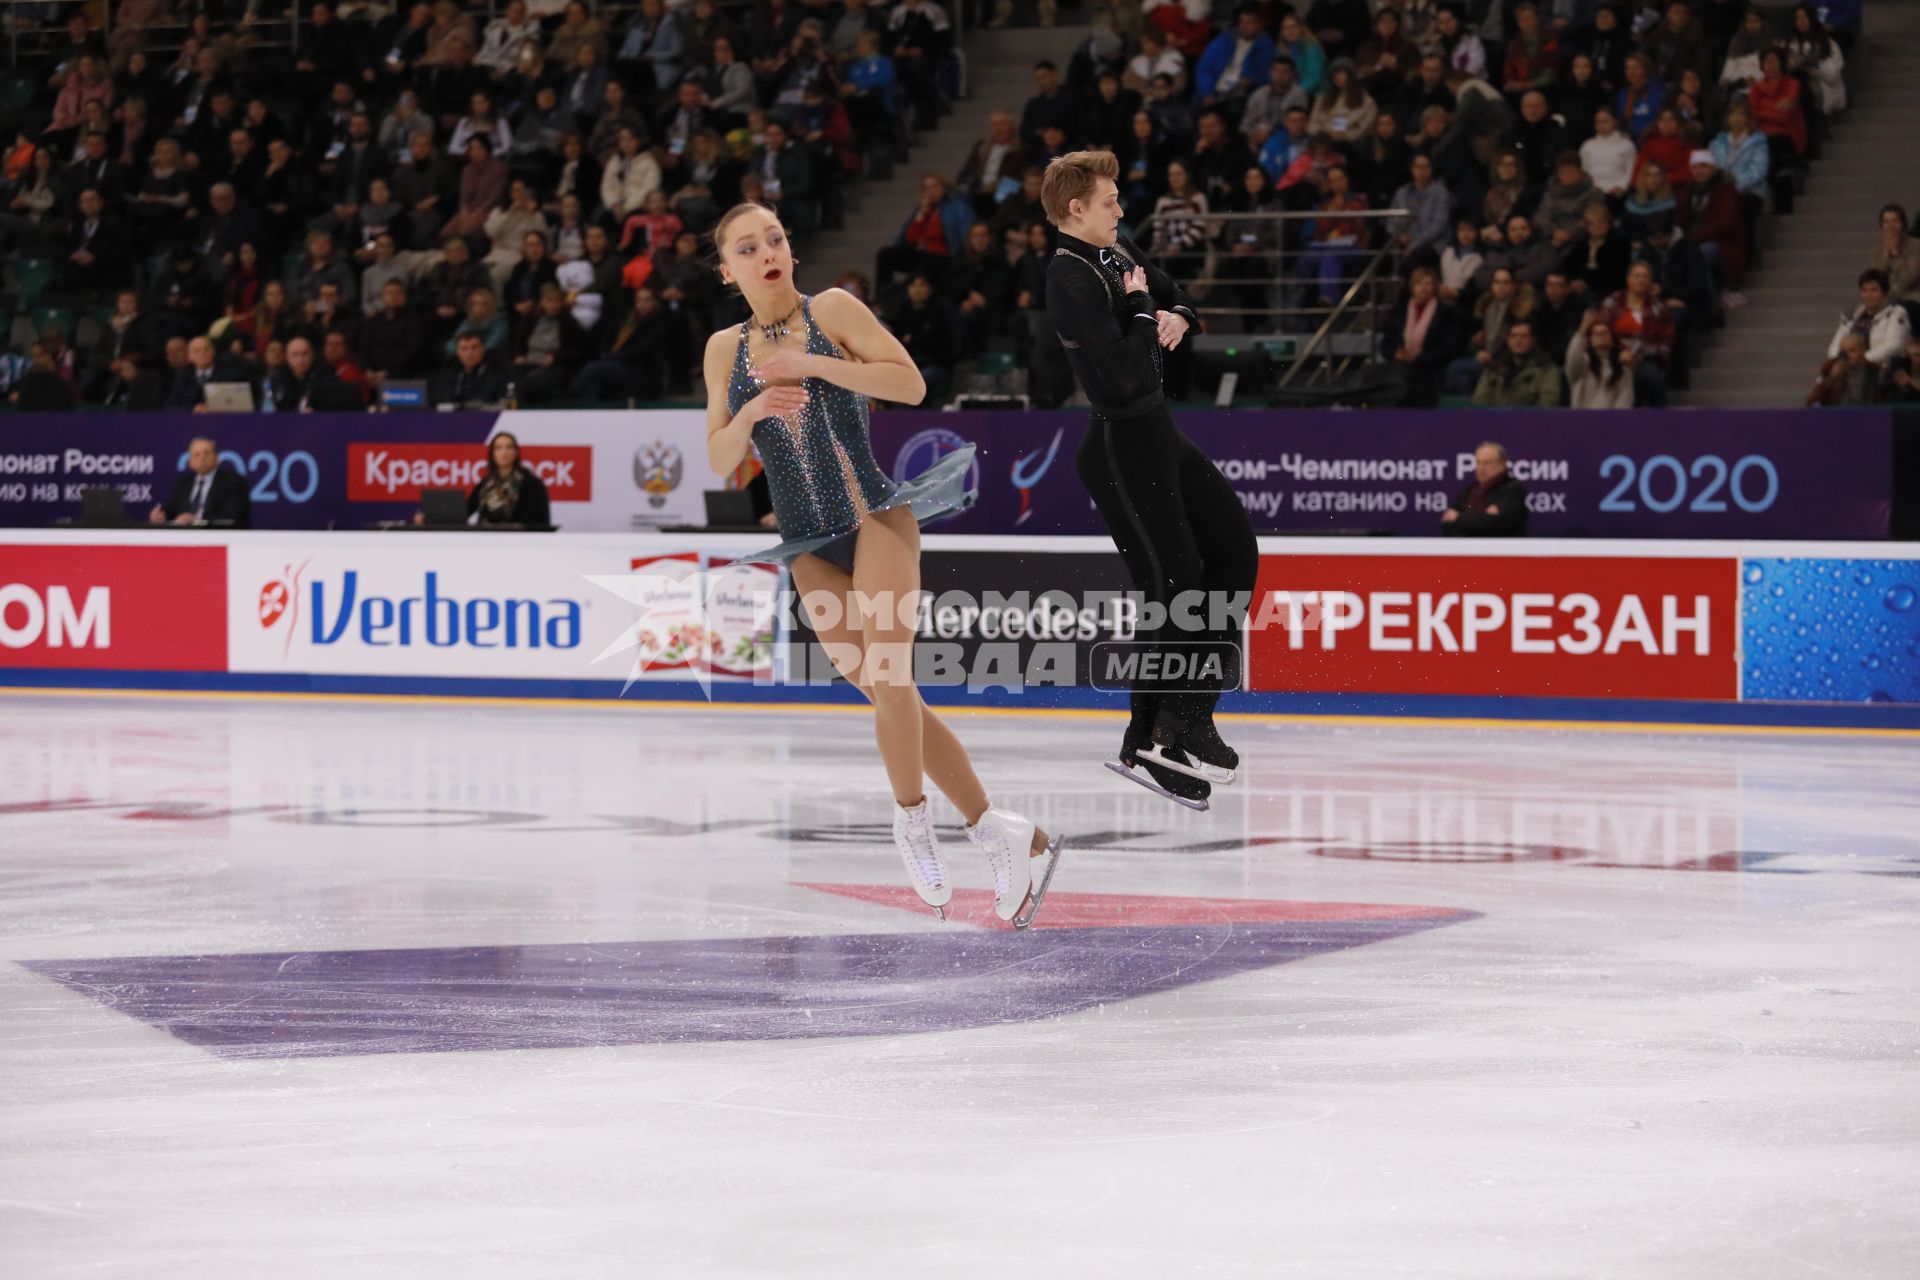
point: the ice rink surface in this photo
(368, 989)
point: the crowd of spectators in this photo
(506, 201)
(1559, 163)
(513, 208)
(1874, 357)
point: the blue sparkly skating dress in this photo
(821, 470)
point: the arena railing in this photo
(1318, 306)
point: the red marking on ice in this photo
(1105, 910)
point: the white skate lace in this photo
(926, 854)
(993, 843)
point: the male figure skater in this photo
(1176, 521)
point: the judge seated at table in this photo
(509, 493)
(206, 494)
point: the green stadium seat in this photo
(65, 317)
(33, 275)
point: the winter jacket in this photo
(1256, 68)
(1530, 384)
(1714, 214)
(1776, 109)
(1564, 208)
(1887, 332)
(1748, 161)
(1653, 330)
(956, 219)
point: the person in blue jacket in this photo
(1235, 64)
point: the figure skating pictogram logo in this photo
(1026, 474)
(280, 598)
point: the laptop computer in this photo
(444, 508)
(229, 397)
(730, 507)
(102, 509)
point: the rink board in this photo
(1705, 473)
(1684, 631)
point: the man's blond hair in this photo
(1075, 176)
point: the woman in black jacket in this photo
(535, 270)
(1422, 336)
(509, 493)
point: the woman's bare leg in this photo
(943, 758)
(886, 572)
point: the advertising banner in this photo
(1695, 473)
(1679, 474)
(1001, 620)
(645, 468)
(1570, 627)
(136, 608)
(1830, 630)
(298, 466)
(704, 618)
(424, 608)
(611, 471)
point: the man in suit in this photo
(469, 381)
(1491, 505)
(94, 171)
(204, 365)
(204, 493)
(96, 251)
(359, 163)
(228, 225)
(786, 174)
(303, 385)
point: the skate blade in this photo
(1198, 806)
(1191, 767)
(1056, 846)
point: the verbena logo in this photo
(348, 612)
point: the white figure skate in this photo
(920, 850)
(1007, 840)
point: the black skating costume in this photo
(1174, 517)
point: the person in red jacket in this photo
(1644, 327)
(1711, 215)
(1664, 146)
(1775, 102)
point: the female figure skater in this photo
(1177, 522)
(795, 380)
